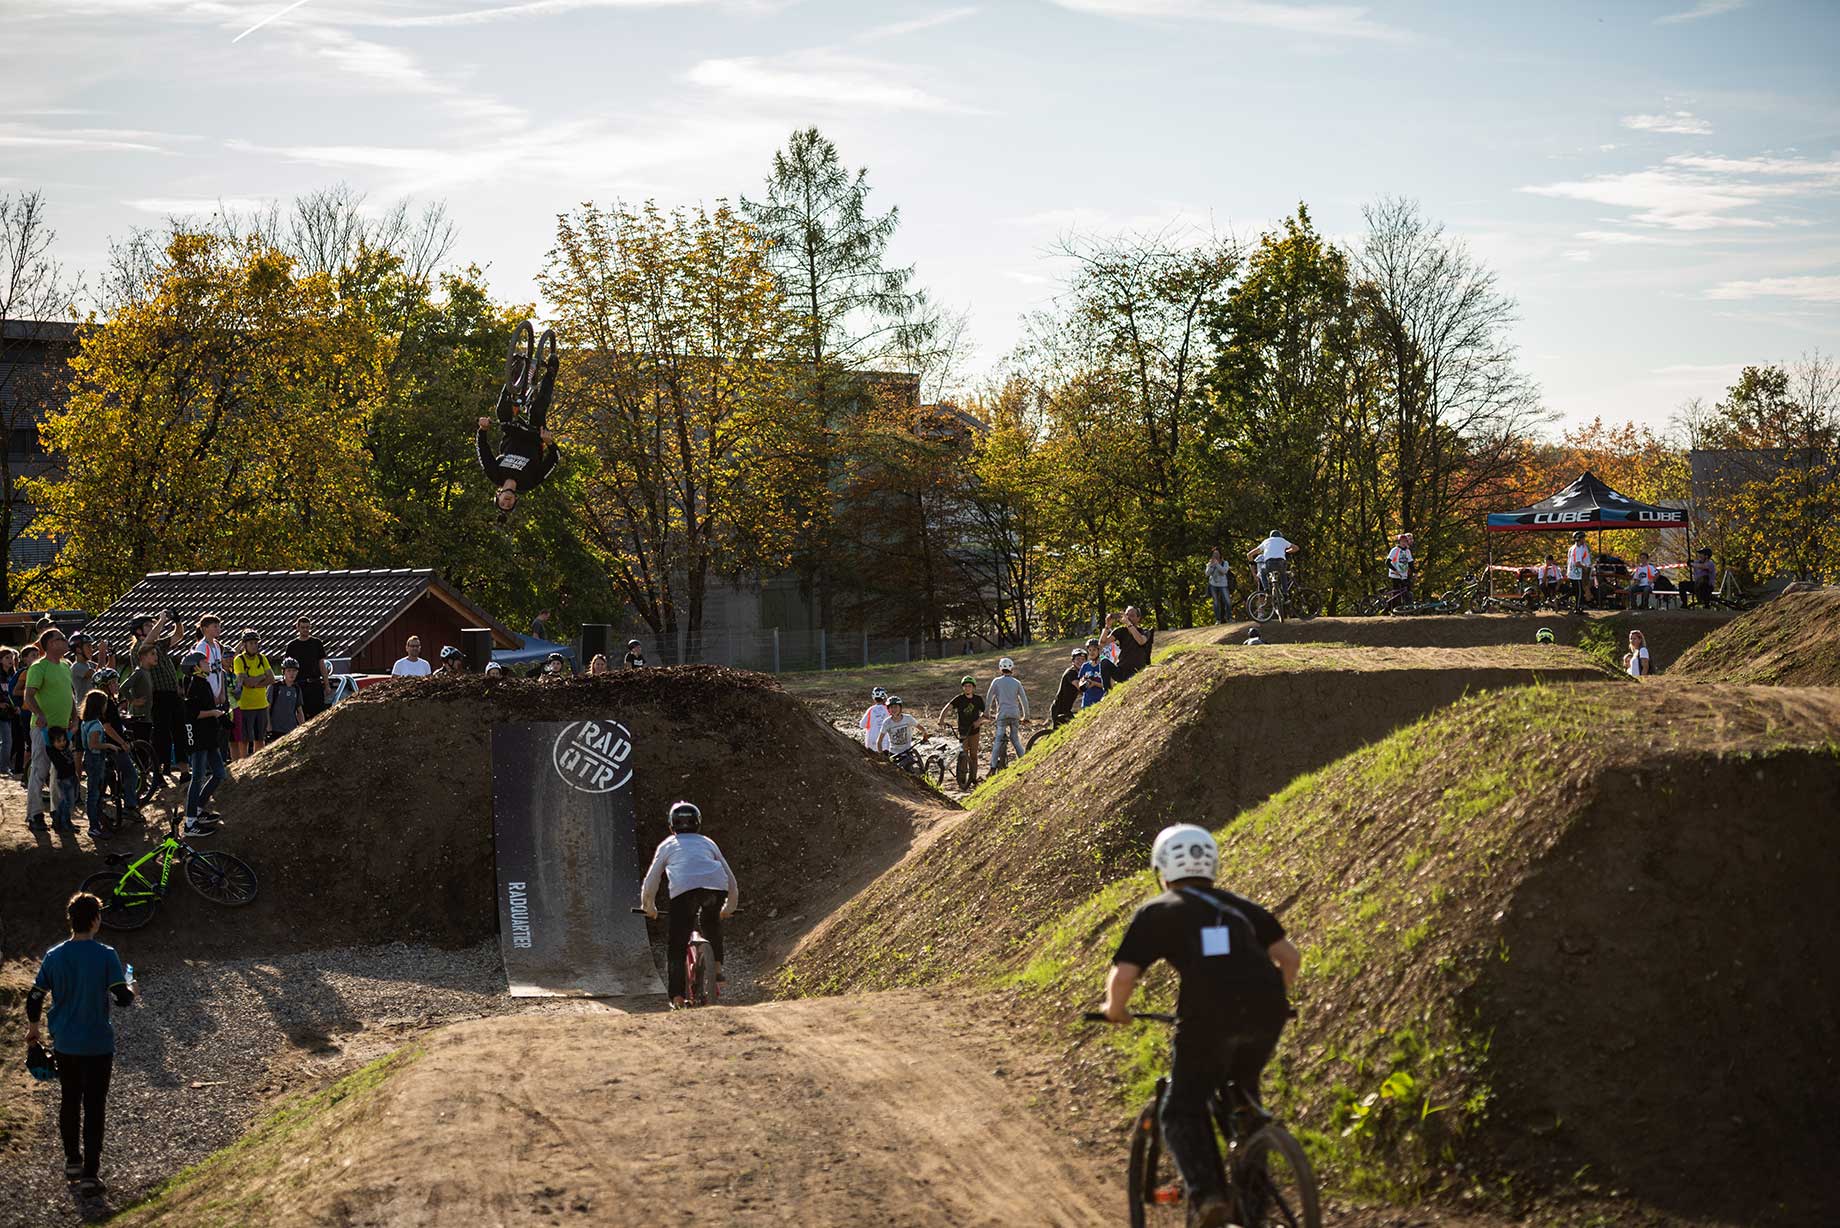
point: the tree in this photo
(851, 310)
(681, 413)
(216, 420)
(1457, 404)
(34, 300)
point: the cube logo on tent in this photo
(593, 756)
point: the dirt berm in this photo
(374, 823)
(1567, 943)
(1793, 640)
(1197, 737)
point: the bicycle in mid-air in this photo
(132, 893)
(1269, 1177)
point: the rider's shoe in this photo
(677, 1004)
(73, 1170)
(196, 827)
(93, 1187)
(1214, 1212)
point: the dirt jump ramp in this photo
(885, 1109)
(1792, 640)
(1196, 738)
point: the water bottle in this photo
(130, 973)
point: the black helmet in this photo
(894, 701)
(632, 643)
(79, 639)
(289, 663)
(1578, 535)
(685, 816)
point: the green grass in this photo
(227, 1187)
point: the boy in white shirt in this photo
(700, 880)
(1578, 568)
(872, 719)
(1642, 583)
(897, 736)
(1399, 568)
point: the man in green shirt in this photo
(50, 700)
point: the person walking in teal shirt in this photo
(80, 976)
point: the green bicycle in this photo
(130, 896)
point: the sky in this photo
(1656, 183)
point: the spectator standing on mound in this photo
(61, 752)
(1399, 569)
(1220, 585)
(49, 699)
(284, 698)
(252, 668)
(80, 975)
(1549, 576)
(411, 664)
(1578, 570)
(1067, 694)
(968, 709)
(453, 662)
(9, 674)
(22, 719)
(539, 626)
(1134, 642)
(161, 636)
(310, 654)
(204, 732)
(209, 628)
(1701, 577)
(82, 661)
(99, 742)
(635, 655)
(1635, 661)
(121, 752)
(1009, 703)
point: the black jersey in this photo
(1216, 941)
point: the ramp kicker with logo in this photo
(568, 875)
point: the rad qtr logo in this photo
(593, 756)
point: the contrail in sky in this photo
(280, 13)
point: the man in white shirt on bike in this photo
(1272, 558)
(1399, 569)
(703, 892)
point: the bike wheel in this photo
(117, 913)
(963, 772)
(1035, 737)
(1259, 607)
(936, 770)
(148, 780)
(1274, 1182)
(221, 878)
(1303, 603)
(698, 975)
(1153, 1184)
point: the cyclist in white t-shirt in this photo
(1272, 558)
(872, 718)
(897, 736)
(1399, 569)
(1642, 583)
(1635, 661)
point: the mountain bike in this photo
(1285, 599)
(700, 985)
(130, 895)
(926, 766)
(1269, 1178)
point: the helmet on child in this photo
(632, 643)
(41, 1063)
(106, 675)
(686, 816)
(879, 695)
(193, 660)
(1543, 636)
(289, 663)
(1006, 665)
(1185, 851)
(894, 701)
(967, 680)
(450, 653)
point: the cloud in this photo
(1616, 237)
(1806, 289)
(175, 206)
(512, 12)
(1690, 192)
(1705, 8)
(1326, 20)
(914, 25)
(816, 76)
(1684, 123)
(103, 140)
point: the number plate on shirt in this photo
(1216, 940)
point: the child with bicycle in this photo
(703, 891)
(897, 736)
(968, 707)
(1235, 965)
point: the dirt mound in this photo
(1668, 632)
(1196, 738)
(1793, 640)
(890, 1109)
(374, 823)
(1565, 940)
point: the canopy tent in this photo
(1587, 504)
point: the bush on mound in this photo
(374, 822)
(1793, 640)
(1206, 732)
(1554, 938)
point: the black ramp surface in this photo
(562, 815)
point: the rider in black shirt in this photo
(529, 455)
(1067, 698)
(968, 708)
(1235, 965)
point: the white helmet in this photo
(1006, 665)
(1185, 851)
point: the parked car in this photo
(346, 685)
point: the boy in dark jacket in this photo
(529, 453)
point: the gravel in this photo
(211, 1043)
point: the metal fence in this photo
(775, 651)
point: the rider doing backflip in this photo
(529, 453)
(703, 891)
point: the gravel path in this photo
(211, 1043)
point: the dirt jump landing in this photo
(885, 1109)
(1559, 943)
(374, 823)
(1197, 737)
(1793, 640)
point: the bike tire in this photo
(1035, 737)
(1152, 1178)
(962, 772)
(1274, 1183)
(118, 914)
(698, 978)
(936, 770)
(1303, 604)
(221, 878)
(1259, 607)
(147, 781)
